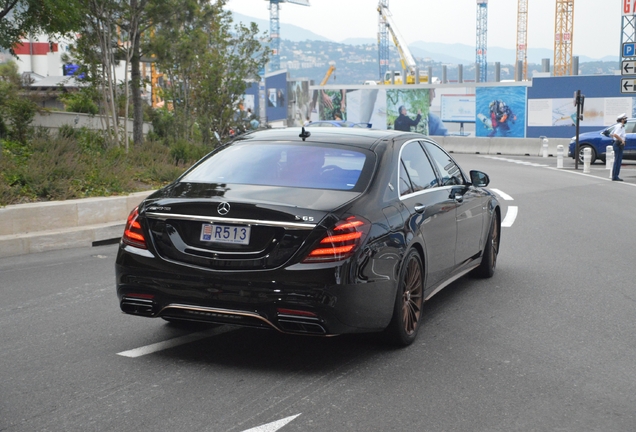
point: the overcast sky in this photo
(597, 23)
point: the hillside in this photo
(307, 55)
(358, 63)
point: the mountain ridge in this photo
(438, 51)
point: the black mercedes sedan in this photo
(321, 232)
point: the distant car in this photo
(338, 123)
(598, 141)
(320, 233)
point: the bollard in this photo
(559, 156)
(609, 152)
(587, 159)
(545, 147)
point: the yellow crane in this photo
(332, 69)
(406, 58)
(563, 37)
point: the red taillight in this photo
(340, 242)
(133, 234)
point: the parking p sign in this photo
(629, 49)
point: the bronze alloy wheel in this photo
(412, 296)
(408, 302)
(491, 249)
(494, 244)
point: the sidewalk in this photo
(53, 225)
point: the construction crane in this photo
(563, 36)
(274, 29)
(406, 58)
(332, 69)
(482, 39)
(383, 41)
(522, 40)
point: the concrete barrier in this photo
(52, 225)
(53, 120)
(501, 146)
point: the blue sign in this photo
(629, 49)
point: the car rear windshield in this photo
(290, 165)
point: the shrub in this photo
(78, 163)
(82, 101)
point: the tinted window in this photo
(418, 167)
(629, 127)
(405, 182)
(450, 172)
(282, 165)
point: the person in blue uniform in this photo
(618, 135)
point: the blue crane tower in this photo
(383, 40)
(274, 30)
(482, 39)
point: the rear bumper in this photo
(300, 299)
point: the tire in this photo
(491, 249)
(407, 310)
(582, 148)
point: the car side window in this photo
(448, 169)
(405, 183)
(418, 168)
(629, 127)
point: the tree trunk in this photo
(135, 80)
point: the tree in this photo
(16, 110)
(208, 61)
(99, 53)
(28, 17)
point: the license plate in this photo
(236, 234)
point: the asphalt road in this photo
(547, 344)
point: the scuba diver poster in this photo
(408, 109)
(501, 112)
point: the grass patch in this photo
(80, 164)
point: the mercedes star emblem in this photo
(223, 208)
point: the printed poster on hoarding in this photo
(501, 112)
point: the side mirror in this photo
(479, 178)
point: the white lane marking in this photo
(589, 175)
(503, 195)
(519, 162)
(171, 343)
(511, 215)
(272, 427)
